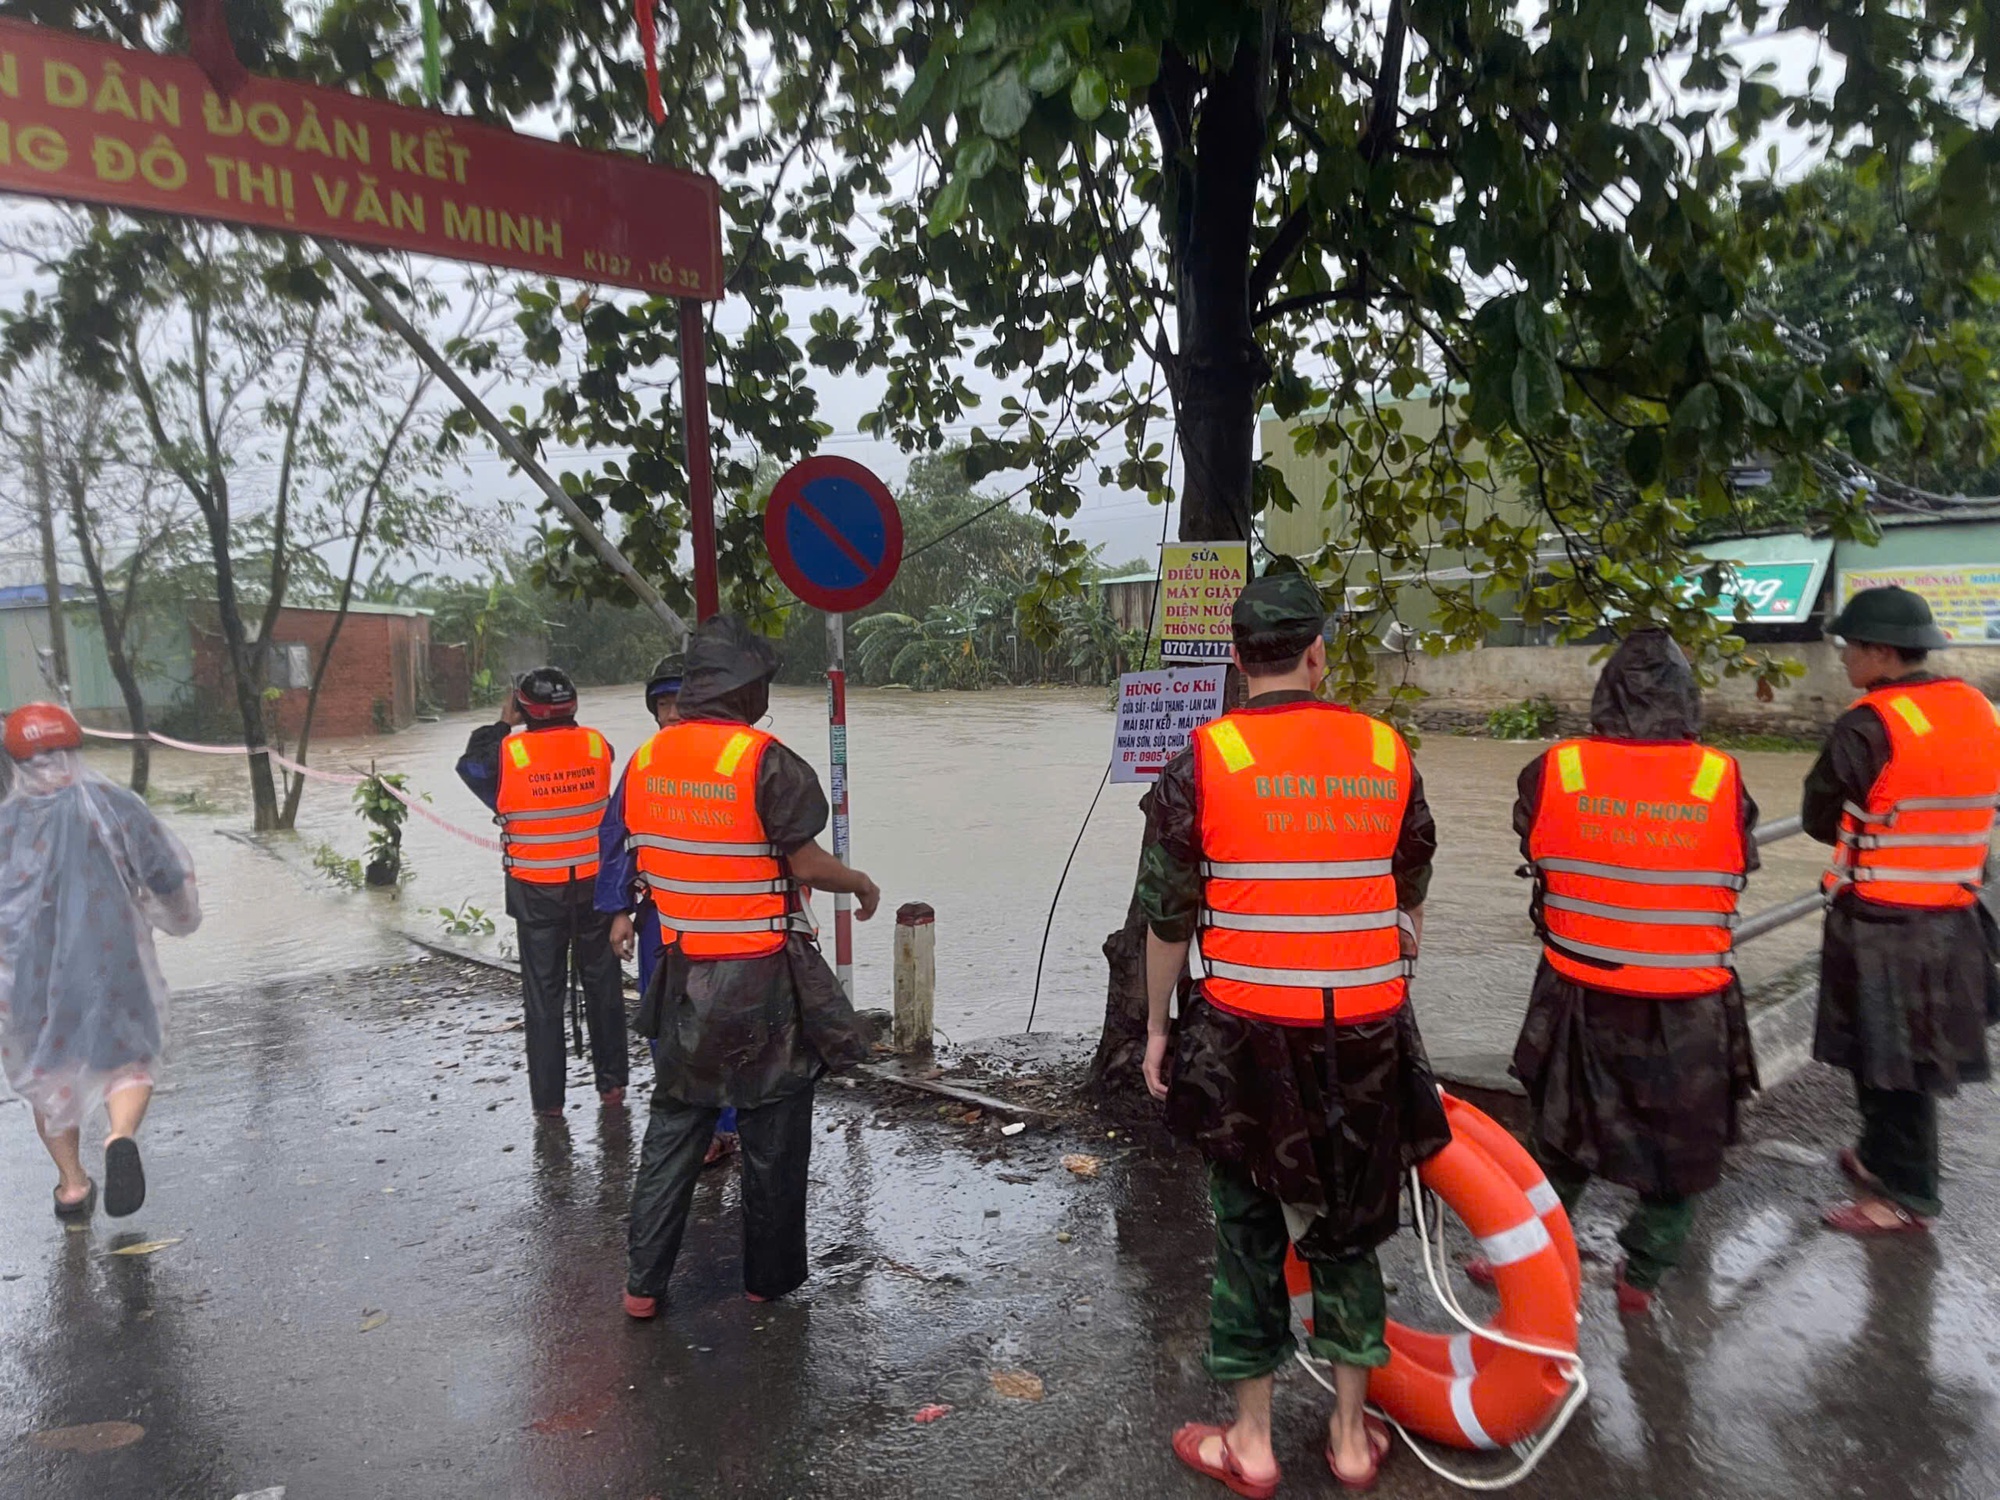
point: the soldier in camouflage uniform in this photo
(1309, 1139)
(1639, 1091)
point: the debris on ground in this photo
(931, 1413)
(1018, 1385)
(91, 1437)
(1081, 1165)
(144, 1247)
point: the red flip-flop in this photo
(1379, 1444)
(1187, 1448)
(1860, 1176)
(1854, 1219)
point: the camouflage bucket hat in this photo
(1277, 616)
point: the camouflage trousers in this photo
(1249, 1310)
(1655, 1233)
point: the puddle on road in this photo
(968, 801)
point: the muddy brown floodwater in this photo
(969, 801)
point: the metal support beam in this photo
(1774, 917)
(700, 468)
(503, 436)
(1777, 828)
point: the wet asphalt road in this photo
(380, 1286)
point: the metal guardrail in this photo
(1773, 917)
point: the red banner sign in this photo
(99, 123)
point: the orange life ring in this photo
(1454, 1388)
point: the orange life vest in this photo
(721, 888)
(1299, 809)
(1639, 851)
(1921, 838)
(554, 787)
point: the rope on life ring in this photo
(1499, 1384)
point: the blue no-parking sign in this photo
(834, 533)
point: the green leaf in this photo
(1700, 410)
(1050, 66)
(949, 205)
(1135, 67)
(918, 96)
(1537, 390)
(976, 157)
(1090, 95)
(1005, 104)
(1645, 452)
(1112, 14)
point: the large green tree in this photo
(1118, 209)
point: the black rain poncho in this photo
(744, 1032)
(86, 873)
(1905, 995)
(1640, 1092)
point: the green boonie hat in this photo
(1276, 616)
(1890, 616)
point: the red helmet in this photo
(35, 728)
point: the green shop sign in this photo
(1779, 592)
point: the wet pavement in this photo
(382, 1280)
(969, 801)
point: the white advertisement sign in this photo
(1157, 711)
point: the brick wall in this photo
(379, 669)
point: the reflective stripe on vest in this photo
(1638, 852)
(718, 883)
(1299, 808)
(1907, 844)
(554, 787)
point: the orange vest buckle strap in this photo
(1934, 801)
(721, 888)
(1638, 851)
(1300, 807)
(554, 787)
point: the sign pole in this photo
(836, 729)
(701, 473)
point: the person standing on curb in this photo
(619, 891)
(1636, 1048)
(86, 873)
(721, 824)
(1294, 856)
(548, 786)
(1904, 790)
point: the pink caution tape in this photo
(337, 778)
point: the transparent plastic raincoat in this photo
(86, 873)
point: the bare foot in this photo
(69, 1195)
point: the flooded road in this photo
(363, 1271)
(969, 801)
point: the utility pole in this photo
(51, 579)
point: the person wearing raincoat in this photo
(1636, 1048)
(86, 873)
(1903, 790)
(663, 692)
(1294, 856)
(721, 826)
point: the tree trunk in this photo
(247, 678)
(111, 621)
(1220, 368)
(1218, 374)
